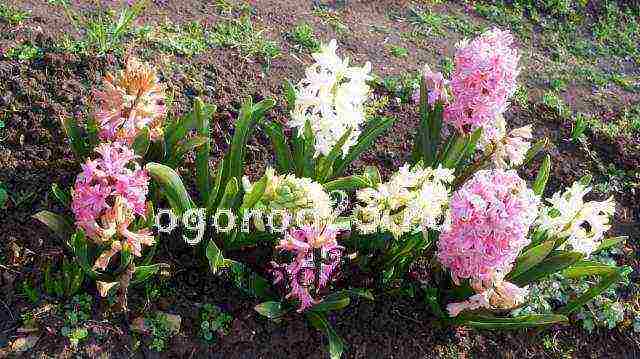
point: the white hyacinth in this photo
(583, 224)
(412, 197)
(331, 99)
(511, 149)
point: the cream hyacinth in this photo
(412, 197)
(331, 99)
(568, 215)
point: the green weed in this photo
(12, 15)
(303, 37)
(398, 51)
(213, 322)
(241, 35)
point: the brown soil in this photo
(35, 95)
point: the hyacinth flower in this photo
(490, 219)
(316, 256)
(330, 99)
(414, 198)
(130, 101)
(581, 224)
(107, 196)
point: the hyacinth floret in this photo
(330, 100)
(316, 255)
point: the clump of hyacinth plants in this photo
(483, 233)
(487, 234)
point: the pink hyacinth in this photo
(305, 244)
(130, 102)
(484, 79)
(435, 85)
(490, 219)
(108, 193)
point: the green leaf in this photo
(428, 136)
(290, 95)
(469, 148)
(588, 268)
(533, 151)
(550, 265)
(607, 281)
(202, 115)
(610, 242)
(370, 178)
(248, 281)
(335, 301)
(230, 192)
(525, 321)
(543, 176)
(79, 246)
(61, 195)
(213, 195)
(319, 321)
(250, 199)
(271, 310)
(142, 273)
(78, 146)
(248, 117)
(585, 180)
(455, 151)
(282, 152)
(58, 224)
(531, 258)
(142, 142)
(171, 185)
(185, 147)
(324, 167)
(215, 257)
(366, 139)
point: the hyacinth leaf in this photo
(251, 198)
(543, 176)
(141, 142)
(283, 154)
(248, 281)
(303, 152)
(290, 95)
(335, 301)
(324, 167)
(587, 268)
(319, 321)
(202, 114)
(249, 115)
(171, 185)
(585, 180)
(230, 192)
(469, 148)
(610, 242)
(57, 223)
(534, 150)
(607, 280)
(428, 137)
(142, 273)
(213, 195)
(125, 259)
(215, 257)
(552, 264)
(455, 151)
(364, 142)
(185, 147)
(370, 178)
(520, 322)
(271, 310)
(531, 258)
(74, 134)
(80, 248)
